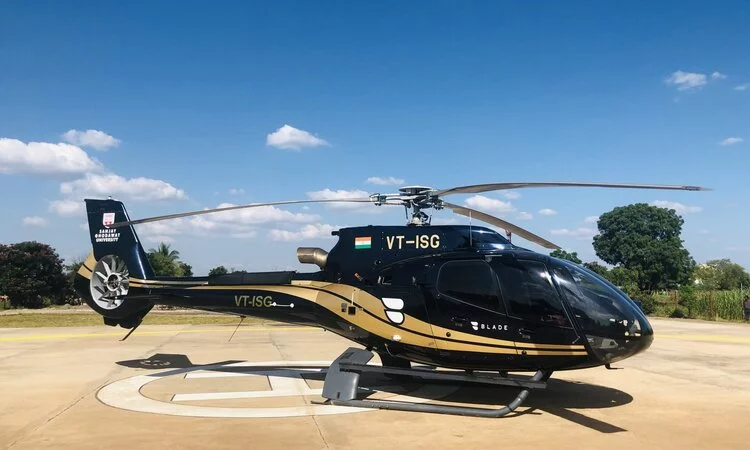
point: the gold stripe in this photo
(409, 334)
(375, 306)
(166, 283)
(85, 272)
(90, 261)
(411, 326)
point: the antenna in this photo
(471, 244)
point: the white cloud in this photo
(34, 221)
(678, 207)
(156, 239)
(44, 158)
(310, 231)
(742, 87)
(718, 76)
(67, 208)
(580, 233)
(591, 219)
(731, 141)
(239, 224)
(136, 189)
(487, 204)
(236, 191)
(686, 81)
(253, 216)
(343, 194)
(525, 216)
(288, 137)
(444, 221)
(547, 212)
(91, 138)
(511, 195)
(244, 234)
(384, 181)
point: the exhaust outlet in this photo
(312, 255)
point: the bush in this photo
(648, 303)
(31, 274)
(678, 312)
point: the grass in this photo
(701, 304)
(32, 320)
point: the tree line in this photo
(32, 274)
(643, 245)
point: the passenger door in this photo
(468, 318)
(534, 306)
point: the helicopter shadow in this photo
(559, 398)
(159, 361)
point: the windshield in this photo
(600, 309)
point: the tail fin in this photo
(121, 241)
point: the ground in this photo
(81, 387)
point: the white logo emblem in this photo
(285, 379)
(393, 307)
(108, 219)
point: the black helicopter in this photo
(459, 297)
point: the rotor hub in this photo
(113, 282)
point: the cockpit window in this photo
(599, 308)
(482, 239)
(528, 289)
(471, 282)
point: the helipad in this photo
(190, 387)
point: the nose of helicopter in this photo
(613, 348)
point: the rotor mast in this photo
(416, 198)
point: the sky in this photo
(175, 106)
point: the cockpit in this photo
(613, 324)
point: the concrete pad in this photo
(690, 390)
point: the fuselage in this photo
(449, 296)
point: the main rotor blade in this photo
(230, 208)
(473, 213)
(474, 188)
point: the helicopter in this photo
(460, 298)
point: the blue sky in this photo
(174, 106)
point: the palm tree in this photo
(164, 250)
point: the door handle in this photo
(460, 321)
(525, 333)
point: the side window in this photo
(471, 282)
(528, 289)
(402, 274)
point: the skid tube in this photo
(342, 383)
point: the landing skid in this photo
(342, 382)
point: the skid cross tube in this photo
(342, 382)
(445, 376)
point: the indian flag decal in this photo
(362, 242)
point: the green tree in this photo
(562, 254)
(187, 269)
(70, 275)
(219, 270)
(166, 262)
(597, 268)
(721, 274)
(645, 240)
(164, 250)
(31, 274)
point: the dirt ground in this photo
(79, 388)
